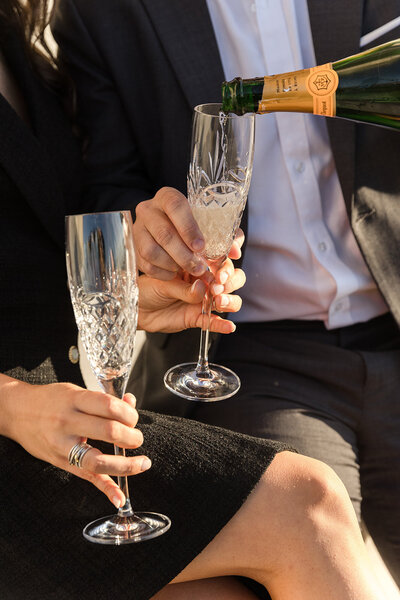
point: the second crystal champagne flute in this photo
(103, 285)
(218, 183)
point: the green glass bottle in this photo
(364, 87)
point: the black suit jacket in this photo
(140, 68)
(40, 173)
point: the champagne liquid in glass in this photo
(218, 211)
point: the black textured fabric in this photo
(200, 477)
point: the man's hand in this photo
(167, 236)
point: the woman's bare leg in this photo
(296, 534)
(220, 588)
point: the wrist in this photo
(10, 402)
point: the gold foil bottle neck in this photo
(308, 91)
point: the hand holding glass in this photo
(103, 285)
(218, 183)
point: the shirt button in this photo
(73, 355)
(299, 167)
(322, 247)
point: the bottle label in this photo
(322, 84)
(310, 90)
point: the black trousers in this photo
(335, 396)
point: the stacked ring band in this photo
(77, 453)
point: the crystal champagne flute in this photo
(103, 285)
(218, 183)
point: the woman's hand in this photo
(48, 420)
(171, 306)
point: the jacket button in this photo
(73, 355)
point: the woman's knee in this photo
(307, 492)
(297, 501)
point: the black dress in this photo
(200, 475)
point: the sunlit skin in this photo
(175, 304)
(167, 237)
(296, 534)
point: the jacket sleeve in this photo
(115, 178)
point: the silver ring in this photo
(77, 453)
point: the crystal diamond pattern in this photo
(107, 324)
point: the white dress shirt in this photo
(301, 261)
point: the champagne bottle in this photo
(364, 87)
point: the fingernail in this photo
(146, 464)
(217, 289)
(196, 286)
(116, 501)
(224, 300)
(207, 277)
(198, 268)
(131, 399)
(223, 277)
(198, 245)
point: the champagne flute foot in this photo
(116, 530)
(184, 381)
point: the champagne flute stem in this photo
(116, 387)
(125, 510)
(202, 369)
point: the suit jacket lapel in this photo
(194, 56)
(185, 31)
(336, 33)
